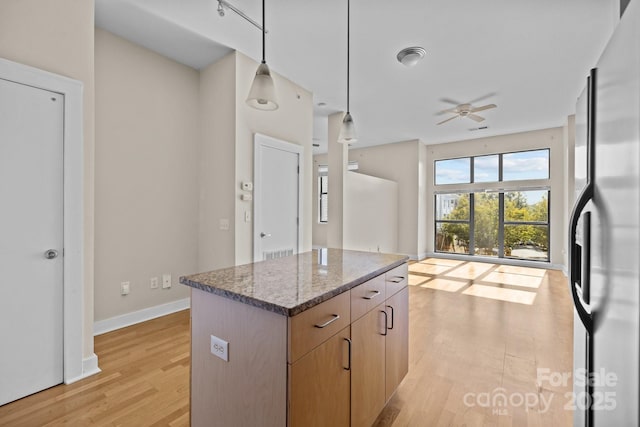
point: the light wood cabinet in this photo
(368, 367)
(397, 341)
(319, 385)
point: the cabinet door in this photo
(319, 385)
(397, 341)
(368, 367)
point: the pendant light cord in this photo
(263, 36)
(348, 47)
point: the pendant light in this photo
(262, 95)
(347, 133)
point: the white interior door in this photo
(31, 238)
(276, 198)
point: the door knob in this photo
(263, 235)
(51, 254)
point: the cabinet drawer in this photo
(396, 279)
(312, 327)
(366, 296)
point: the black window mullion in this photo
(501, 224)
(472, 227)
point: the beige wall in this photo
(370, 213)
(57, 36)
(227, 148)
(216, 248)
(547, 138)
(399, 162)
(146, 181)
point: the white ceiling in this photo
(530, 57)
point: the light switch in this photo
(247, 216)
(224, 224)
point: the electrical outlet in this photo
(166, 281)
(154, 283)
(220, 348)
(125, 287)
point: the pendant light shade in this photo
(347, 133)
(262, 94)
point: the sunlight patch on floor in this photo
(502, 294)
(415, 280)
(428, 268)
(445, 285)
(528, 271)
(513, 279)
(470, 270)
(442, 261)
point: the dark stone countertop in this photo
(293, 284)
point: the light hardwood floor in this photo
(466, 347)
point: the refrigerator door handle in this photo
(575, 262)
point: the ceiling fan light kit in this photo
(347, 133)
(466, 110)
(410, 56)
(262, 94)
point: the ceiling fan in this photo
(465, 110)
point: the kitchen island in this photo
(319, 338)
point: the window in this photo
(323, 194)
(452, 223)
(486, 168)
(511, 224)
(518, 166)
(525, 165)
(475, 217)
(526, 225)
(453, 171)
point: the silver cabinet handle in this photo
(386, 320)
(348, 341)
(396, 279)
(263, 235)
(328, 322)
(392, 316)
(51, 254)
(375, 294)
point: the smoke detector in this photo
(410, 56)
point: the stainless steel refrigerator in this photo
(605, 236)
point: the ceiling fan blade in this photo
(450, 101)
(482, 98)
(449, 110)
(484, 107)
(447, 120)
(475, 117)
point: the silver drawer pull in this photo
(328, 322)
(396, 279)
(374, 294)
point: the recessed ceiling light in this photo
(410, 56)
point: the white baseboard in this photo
(89, 367)
(107, 325)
